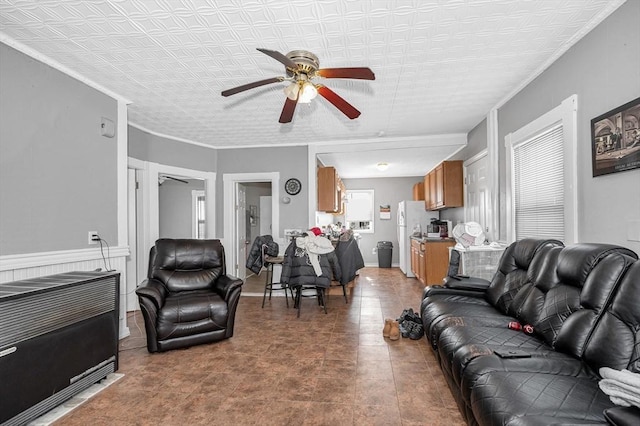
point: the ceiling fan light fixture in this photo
(382, 166)
(292, 91)
(307, 92)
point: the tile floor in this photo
(333, 369)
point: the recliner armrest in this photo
(225, 285)
(438, 289)
(467, 283)
(622, 416)
(153, 290)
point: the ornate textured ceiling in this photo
(440, 66)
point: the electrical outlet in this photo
(93, 237)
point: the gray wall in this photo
(603, 69)
(290, 161)
(57, 173)
(476, 142)
(175, 207)
(387, 191)
(156, 149)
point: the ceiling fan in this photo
(301, 68)
(162, 178)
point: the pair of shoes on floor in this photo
(412, 330)
(410, 324)
(409, 315)
(391, 329)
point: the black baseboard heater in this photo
(58, 336)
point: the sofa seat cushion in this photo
(541, 420)
(453, 338)
(455, 310)
(500, 398)
(189, 313)
(473, 361)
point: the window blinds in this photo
(539, 186)
(359, 206)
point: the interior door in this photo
(265, 215)
(477, 204)
(241, 230)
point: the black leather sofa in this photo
(527, 349)
(187, 298)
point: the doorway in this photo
(179, 207)
(144, 214)
(238, 216)
(257, 219)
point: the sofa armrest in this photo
(438, 289)
(226, 284)
(622, 416)
(153, 290)
(467, 283)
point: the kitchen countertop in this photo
(425, 239)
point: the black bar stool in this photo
(269, 262)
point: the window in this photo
(541, 165)
(359, 210)
(199, 217)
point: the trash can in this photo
(384, 248)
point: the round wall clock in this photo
(292, 186)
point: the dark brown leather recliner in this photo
(187, 298)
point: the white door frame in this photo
(230, 181)
(150, 209)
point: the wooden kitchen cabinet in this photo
(436, 261)
(443, 186)
(430, 260)
(422, 265)
(418, 191)
(330, 190)
(415, 258)
(426, 186)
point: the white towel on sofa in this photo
(622, 386)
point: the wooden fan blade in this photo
(362, 73)
(248, 86)
(288, 110)
(280, 57)
(344, 106)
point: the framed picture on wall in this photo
(615, 139)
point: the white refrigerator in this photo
(410, 215)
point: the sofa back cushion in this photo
(542, 276)
(183, 264)
(586, 284)
(615, 340)
(512, 271)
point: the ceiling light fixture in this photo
(382, 166)
(303, 90)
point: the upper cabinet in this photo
(443, 186)
(418, 191)
(330, 190)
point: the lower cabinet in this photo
(430, 260)
(415, 258)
